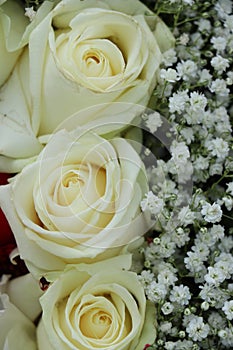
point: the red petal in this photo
(6, 235)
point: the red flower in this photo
(7, 240)
(6, 235)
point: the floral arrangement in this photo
(116, 167)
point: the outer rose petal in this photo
(17, 331)
(14, 32)
(24, 292)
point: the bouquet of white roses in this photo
(116, 186)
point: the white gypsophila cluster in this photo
(191, 260)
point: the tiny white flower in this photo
(217, 232)
(153, 203)
(169, 75)
(204, 25)
(183, 39)
(230, 188)
(228, 201)
(226, 244)
(156, 292)
(180, 237)
(180, 152)
(228, 309)
(229, 22)
(219, 43)
(165, 327)
(197, 101)
(178, 101)
(186, 216)
(220, 64)
(223, 7)
(188, 135)
(146, 277)
(216, 169)
(187, 69)
(167, 277)
(226, 336)
(154, 121)
(169, 57)
(30, 13)
(197, 329)
(218, 147)
(167, 308)
(219, 87)
(205, 76)
(215, 276)
(201, 163)
(194, 262)
(180, 294)
(216, 320)
(212, 213)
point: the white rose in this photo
(83, 53)
(79, 201)
(99, 306)
(19, 308)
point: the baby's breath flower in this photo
(187, 69)
(212, 213)
(194, 262)
(197, 101)
(169, 57)
(183, 39)
(177, 102)
(218, 147)
(219, 43)
(219, 87)
(226, 336)
(230, 188)
(30, 13)
(169, 75)
(204, 25)
(220, 64)
(179, 152)
(229, 22)
(167, 308)
(197, 329)
(180, 294)
(215, 276)
(204, 76)
(153, 203)
(154, 121)
(156, 292)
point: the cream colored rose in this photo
(83, 53)
(19, 308)
(99, 306)
(79, 201)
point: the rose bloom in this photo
(96, 307)
(19, 309)
(80, 201)
(82, 53)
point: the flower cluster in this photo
(188, 264)
(74, 76)
(120, 134)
